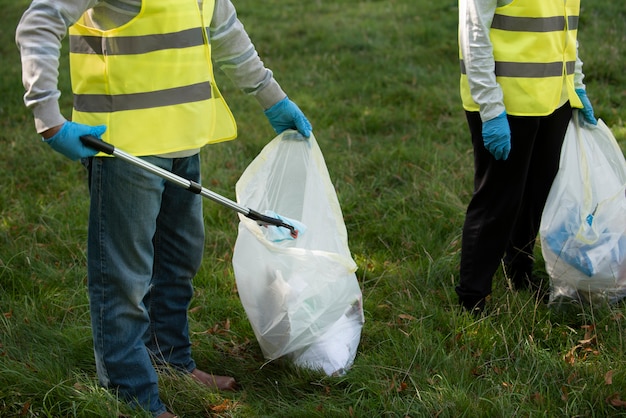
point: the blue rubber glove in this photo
(587, 110)
(497, 136)
(287, 115)
(67, 140)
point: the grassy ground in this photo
(378, 80)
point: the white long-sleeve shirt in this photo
(475, 17)
(45, 24)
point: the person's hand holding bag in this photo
(497, 136)
(67, 140)
(285, 114)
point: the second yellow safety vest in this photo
(534, 46)
(151, 81)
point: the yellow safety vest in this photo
(534, 46)
(151, 81)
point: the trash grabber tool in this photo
(107, 148)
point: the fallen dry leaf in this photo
(80, 387)
(226, 405)
(588, 331)
(402, 387)
(585, 346)
(570, 356)
(588, 341)
(614, 400)
(537, 397)
(477, 371)
(608, 378)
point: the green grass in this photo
(379, 82)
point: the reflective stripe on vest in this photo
(534, 44)
(151, 80)
(530, 69)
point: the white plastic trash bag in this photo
(300, 295)
(583, 226)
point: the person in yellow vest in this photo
(142, 79)
(520, 79)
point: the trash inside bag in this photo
(583, 226)
(301, 295)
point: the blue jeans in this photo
(145, 244)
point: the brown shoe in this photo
(167, 414)
(225, 383)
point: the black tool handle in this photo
(97, 144)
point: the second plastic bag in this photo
(583, 226)
(301, 295)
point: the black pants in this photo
(503, 216)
